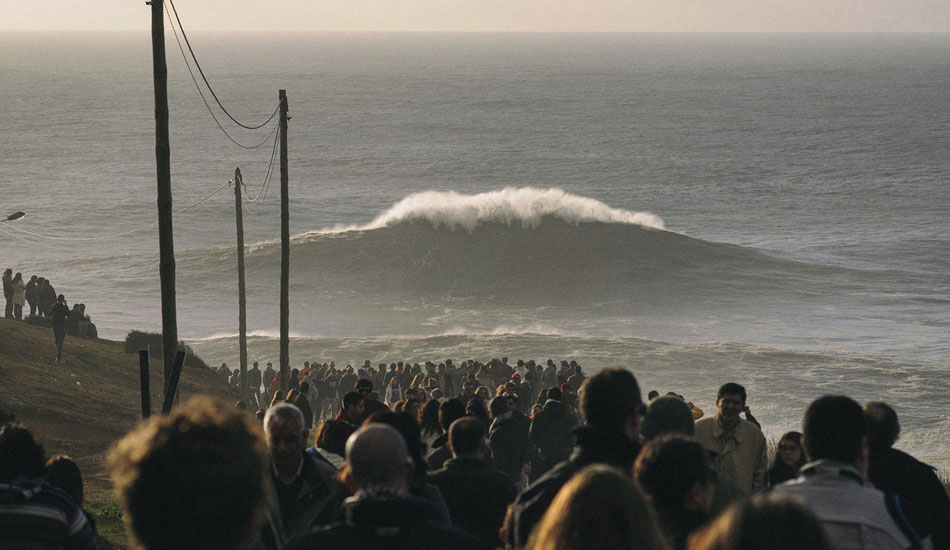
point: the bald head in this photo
(377, 457)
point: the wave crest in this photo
(526, 206)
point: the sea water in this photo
(765, 209)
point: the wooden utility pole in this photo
(166, 262)
(242, 304)
(284, 249)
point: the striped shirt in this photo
(37, 516)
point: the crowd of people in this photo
(480, 456)
(44, 302)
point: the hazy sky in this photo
(491, 15)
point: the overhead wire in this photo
(267, 176)
(208, 84)
(205, 101)
(104, 237)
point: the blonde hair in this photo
(598, 508)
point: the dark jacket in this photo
(898, 473)
(508, 442)
(592, 445)
(550, 435)
(305, 502)
(477, 496)
(59, 313)
(386, 521)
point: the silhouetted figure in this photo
(59, 314)
(33, 513)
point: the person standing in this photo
(19, 296)
(31, 294)
(59, 314)
(739, 445)
(8, 293)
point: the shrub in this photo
(152, 341)
(39, 321)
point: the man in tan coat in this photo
(739, 444)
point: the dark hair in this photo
(834, 426)
(429, 418)
(466, 435)
(211, 453)
(554, 393)
(498, 405)
(62, 472)
(609, 398)
(763, 522)
(476, 407)
(781, 472)
(332, 436)
(883, 427)
(731, 388)
(450, 411)
(20, 454)
(364, 384)
(304, 387)
(668, 467)
(352, 398)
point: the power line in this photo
(267, 176)
(143, 228)
(205, 101)
(201, 72)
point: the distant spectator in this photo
(19, 296)
(31, 294)
(8, 293)
(59, 314)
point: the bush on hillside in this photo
(39, 321)
(152, 341)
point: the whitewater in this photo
(766, 209)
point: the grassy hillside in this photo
(82, 407)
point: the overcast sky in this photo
(491, 15)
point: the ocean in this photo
(766, 209)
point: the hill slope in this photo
(82, 407)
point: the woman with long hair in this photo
(598, 508)
(789, 458)
(429, 422)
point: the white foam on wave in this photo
(524, 205)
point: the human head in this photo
(667, 415)
(61, 471)
(498, 406)
(468, 388)
(676, 473)
(449, 411)
(835, 428)
(467, 438)
(377, 458)
(286, 436)
(483, 392)
(353, 406)
(364, 386)
(204, 450)
(883, 426)
(554, 393)
(610, 399)
(730, 401)
(332, 436)
(598, 508)
(763, 522)
(790, 450)
(20, 454)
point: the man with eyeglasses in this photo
(739, 444)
